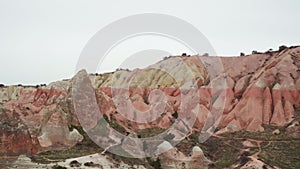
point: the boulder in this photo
(241, 85)
(172, 158)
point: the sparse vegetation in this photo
(75, 163)
(276, 150)
(224, 150)
(91, 164)
(155, 163)
(58, 167)
(205, 54)
(282, 47)
(175, 115)
(149, 132)
(284, 154)
(112, 123)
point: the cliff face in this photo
(15, 138)
(245, 93)
(36, 119)
(249, 91)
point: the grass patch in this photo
(150, 132)
(155, 163)
(112, 123)
(284, 154)
(225, 151)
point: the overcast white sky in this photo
(40, 41)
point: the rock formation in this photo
(40, 115)
(172, 158)
(193, 92)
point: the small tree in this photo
(205, 54)
(282, 47)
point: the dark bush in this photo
(91, 164)
(175, 115)
(155, 164)
(169, 137)
(58, 167)
(75, 163)
(282, 47)
(205, 54)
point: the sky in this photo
(41, 41)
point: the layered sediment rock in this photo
(39, 117)
(258, 89)
(15, 138)
(200, 93)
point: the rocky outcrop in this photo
(241, 85)
(172, 158)
(85, 162)
(195, 93)
(293, 129)
(258, 89)
(37, 119)
(267, 106)
(15, 138)
(248, 112)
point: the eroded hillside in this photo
(249, 103)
